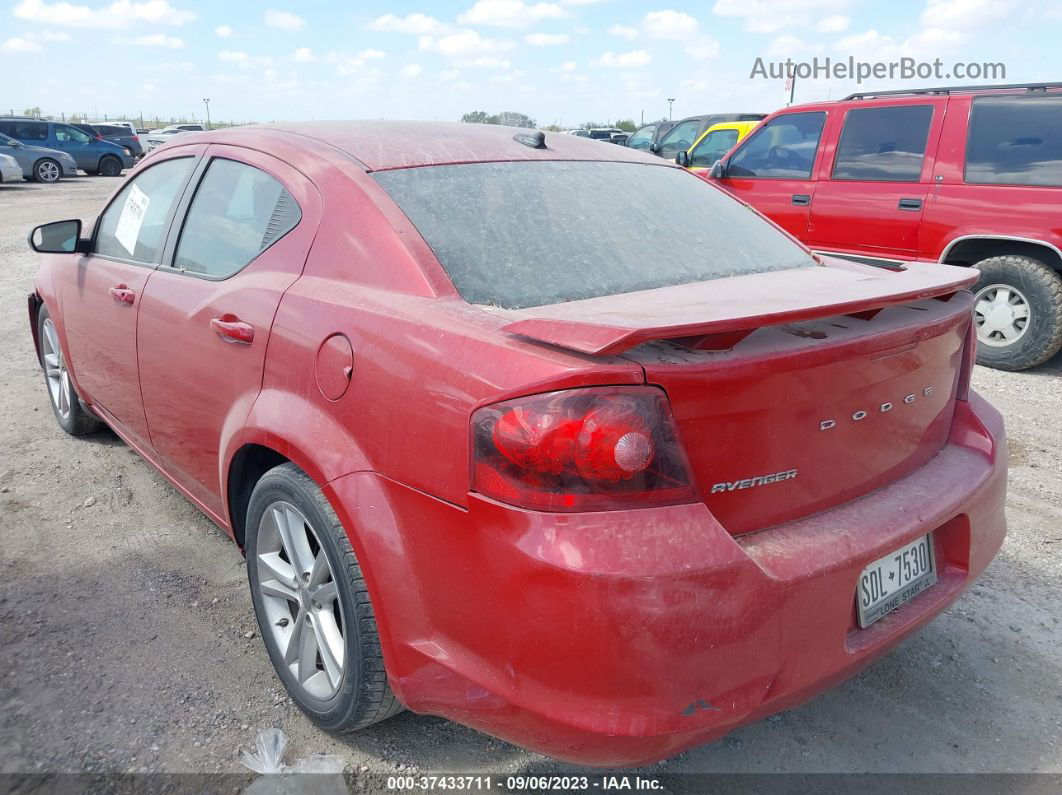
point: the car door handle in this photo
(122, 294)
(801, 199)
(231, 329)
(910, 204)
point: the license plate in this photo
(894, 579)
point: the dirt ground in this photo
(128, 642)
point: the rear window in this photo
(110, 129)
(1015, 141)
(532, 233)
(884, 144)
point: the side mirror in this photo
(683, 158)
(58, 237)
(13, 144)
(718, 170)
(654, 148)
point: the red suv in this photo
(967, 176)
(503, 452)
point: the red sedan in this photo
(604, 478)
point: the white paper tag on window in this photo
(132, 218)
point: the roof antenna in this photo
(536, 139)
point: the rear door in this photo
(206, 315)
(773, 169)
(102, 293)
(876, 180)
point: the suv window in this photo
(64, 133)
(110, 129)
(884, 144)
(713, 146)
(642, 138)
(133, 227)
(679, 138)
(782, 148)
(25, 130)
(1015, 141)
(237, 213)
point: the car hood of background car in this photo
(382, 145)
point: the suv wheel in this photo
(313, 610)
(110, 166)
(46, 170)
(1017, 312)
(69, 413)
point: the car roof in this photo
(382, 145)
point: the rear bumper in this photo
(622, 638)
(11, 174)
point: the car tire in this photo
(110, 166)
(300, 607)
(70, 413)
(1017, 312)
(46, 170)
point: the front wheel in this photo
(1017, 312)
(46, 170)
(110, 166)
(313, 610)
(69, 413)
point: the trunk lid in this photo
(791, 395)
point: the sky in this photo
(562, 62)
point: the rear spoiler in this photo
(717, 314)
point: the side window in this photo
(713, 146)
(64, 133)
(783, 148)
(30, 131)
(679, 138)
(1015, 141)
(883, 144)
(237, 213)
(641, 139)
(133, 227)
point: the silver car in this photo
(10, 170)
(38, 162)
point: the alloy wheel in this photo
(55, 370)
(48, 171)
(1001, 314)
(298, 591)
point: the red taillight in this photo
(136, 139)
(591, 449)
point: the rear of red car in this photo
(794, 478)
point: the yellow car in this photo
(715, 142)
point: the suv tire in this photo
(1029, 296)
(110, 166)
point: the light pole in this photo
(206, 101)
(669, 101)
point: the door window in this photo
(1015, 141)
(713, 146)
(783, 148)
(884, 144)
(64, 133)
(237, 213)
(641, 139)
(680, 138)
(133, 227)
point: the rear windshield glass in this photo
(532, 233)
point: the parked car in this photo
(619, 138)
(10, 170)
(157, 139)
(579, 133)
(587, 509)
(715, 142)
(92, 155)
(648, 134)
(180, 128)
(685, 131)
(119, 134)
(39, 163)
(969, 176)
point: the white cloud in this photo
(223, 31)
(411, 70)
(547, 39)
(773, 16)
(624, 60)
(18, 46)
(118, 15)
(567, 66)
(787, 45)
(50, 35)
(154, 40)
(244, 60)
(284, 20)
(372, 55)
(624, 32)
(702, 48)
(835, 23)
(965, 15)
(463, 43)
(413, 24)
(304, 55)
(486, 62)
(670, 25)
(356, 64)
(510, 13)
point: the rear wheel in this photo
(313, 610)
(46, 170)
(69, 413)
(110, 166)
(1017, 312)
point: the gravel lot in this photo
(128, 642)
